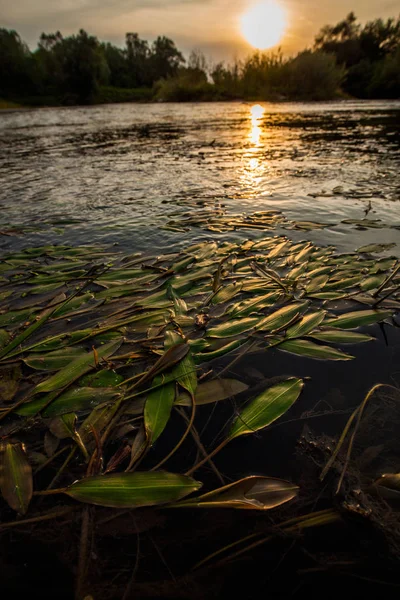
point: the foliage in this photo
(363, 61)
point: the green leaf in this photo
(317, 283)
(77, 368)
(226, 293)
(232, 328)
(281, 317)
(185, 374)
(306, 324)
(213, 391)
(132, 490)
(157, 408)
(311, 350)
(4, 338)
(101, 379)
(64, 427)
(267, 407)
(376, 248)
(336, 336)
(16, 484)
(246, 307)
(54, 361)
(78, 399)
(251, 493)
(372, 282)
(207, 356)
(358, 318)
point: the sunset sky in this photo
(212, 26)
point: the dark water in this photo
(117, 173)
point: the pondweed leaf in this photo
(16, 484)
(132, 490)
(54, 361)
(77, 368)
(79, 399)
(306, 324)
(281, 317)
(358, 318)
(312, 350)
(267, 407)
(213, 391)
(157, 408)
(251, 493)
(233, 328)
(338, 336)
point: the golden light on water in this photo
(256, 112)
(263, 25)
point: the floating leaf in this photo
(232, 328)
(311, 350)
(4, 338)
(63, 427)
(357, 318)
(101, 379)
(267, 407)
(16, 484)
(281, 317)
(376, 248)
(213, 391)
(207, 356)
(372, 282)
(78, 399)
(226, 293)
(251, 493)
(336, 336)
(132, 490)
(54, 361)
(157, 408)
(306, 324)
(76, 368)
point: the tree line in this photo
(346, 58)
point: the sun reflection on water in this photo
(256, 113)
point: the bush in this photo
(109, 95)
(313, 76)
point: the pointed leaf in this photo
(358, 318)
(267, 407)
(132, 490)
(251, 493)
(77, 368)
(306, 324)
(312, 350)
(226, 293)
(281, 317)
(338, 336)
(54, 361)
(79, 399)
(16, 484)
(213, 391)
(157, 408)
(232, 328)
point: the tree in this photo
(137, 56)
(15, 65)
(165, 58)
(313, 76)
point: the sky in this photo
(211, 26)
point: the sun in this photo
(264, 24)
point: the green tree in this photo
(165, 58)
(16, 67)
(313, 76)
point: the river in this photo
(118, 174)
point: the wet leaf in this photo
(101, 379)
(232, 328)
(78, 399)
(213, 391)
(256, 304)
(267, 407)
(16, 484)
(388, 486)
(312, 350)
(158, 408)
(306, 324)
(226, 293)
(357, 318)
(281, 317)
(373, 282)
(77, 368)
(207, 356)
(4, 338)
(251, 493)
(376, 248)
(132, 490)
(54, 361)
(336, 336)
